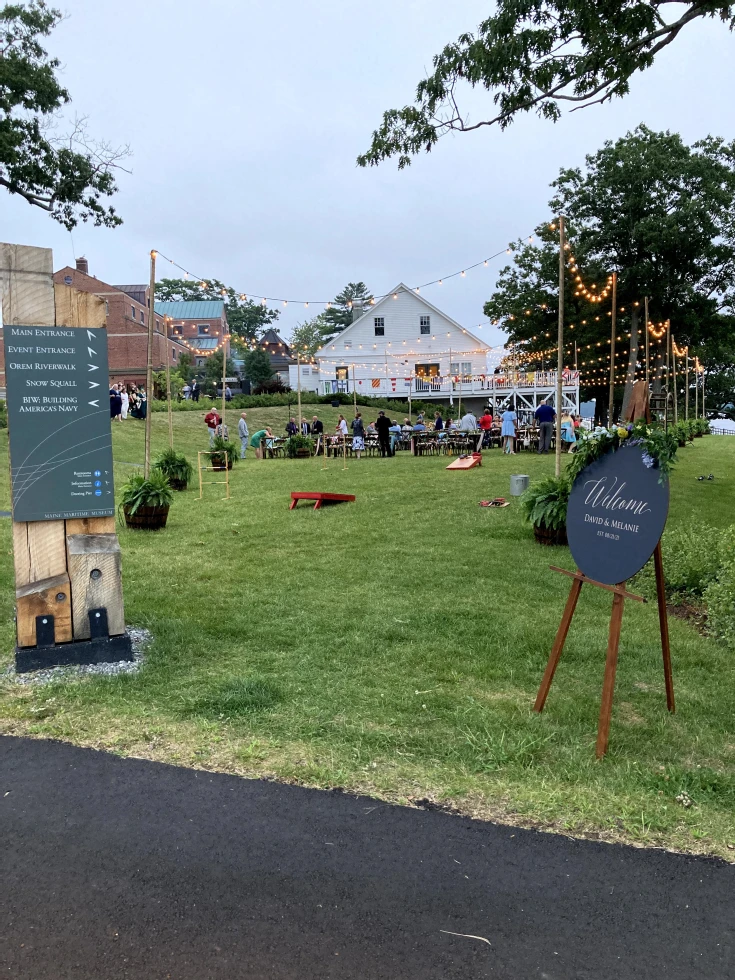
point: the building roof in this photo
(278, 350)
(203, 343)
(372, 309)
(137, 291)
(206, 309)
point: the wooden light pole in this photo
(696, 387)
(224, 377)
(686, 383)
(560, 350)
(704, 405)
(645, 306)
(298, 385)
(166, 324)
(611, 403)
(149, 366)
(673, 364)
(668, 371)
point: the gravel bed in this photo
(140, 639)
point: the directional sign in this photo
(59, 424)
(616, 515)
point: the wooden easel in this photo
(613, 642)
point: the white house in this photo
(403, 346)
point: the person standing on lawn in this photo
(194, 391)
(256, 439)
(382, 427)
(317, 429)
(242, 431)
(438, 422)
(486, 423)
(568, 436)
(228, 393)
(358, 435)
(508, 431)
(291, 427)
(545, 416)
(468, 423)
(125, 400)
(212, 420)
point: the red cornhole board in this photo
(466, 464)
(321, 498)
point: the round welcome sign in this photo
(616, 515)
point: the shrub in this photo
(174, 466)
(138, 492)
(545, 502)
(3, 416)
(221, 446)
(693, 555)
(274, 387)
(294, 443)
(720, 599)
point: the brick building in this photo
(200, 325)
(127, 326)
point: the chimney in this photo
(83, 266)
(357, 311)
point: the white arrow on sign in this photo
(94, 367)
(93, 384)
(90, 335)
(96, 404)
(92, 353)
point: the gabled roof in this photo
(271, 337)
(203, 309)
(203, 343)
(388, 297)
(137, 291)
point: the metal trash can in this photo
(518, 484)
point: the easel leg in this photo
(664, 626)
(561, 636)
(611, 663)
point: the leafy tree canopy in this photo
(658, 212)
(535, 56)
(213, 367)
(66, 176)
(257, 366)
(246, 318)
(308, 337)
(339, 314)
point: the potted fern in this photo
(221, 446)
(545, 505)
(175, 467)
(145, 503)
(299, 447)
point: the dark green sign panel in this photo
(59, 422)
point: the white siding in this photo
(403, 342)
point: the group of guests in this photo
(127, 400)
(545, 416)
(191, 392)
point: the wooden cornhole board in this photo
(466, 464)
(320, 498)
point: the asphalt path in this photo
(120, 868)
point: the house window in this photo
(425, 324)
(343, 373)
(132, 312)
(461, 368)
(158, 325)
(142, 317)
(203, 329)
(200, 361)
(427, 370)
(178, 330)
(305, 371)
(107, 308)
(173, 354)
(379, 323)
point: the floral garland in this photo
(658, 447)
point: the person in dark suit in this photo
(382, 424)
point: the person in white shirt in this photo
(125, 398)
(242, 431)
(468, 423)
(342, 426)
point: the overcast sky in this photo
(245, 119)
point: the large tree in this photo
(257, 366)
(67, 176)
(658, 213)
(308, 337)
(246, 318)
(341, 311)
(537, 56)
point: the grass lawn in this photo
(395, 646)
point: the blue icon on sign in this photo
(98, 493)
(98, 483)
(98, 473)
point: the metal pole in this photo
(168, 383)
(645, 305)
(611, 403)
(560, 350)
(149, 367)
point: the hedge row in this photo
(307, 398)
